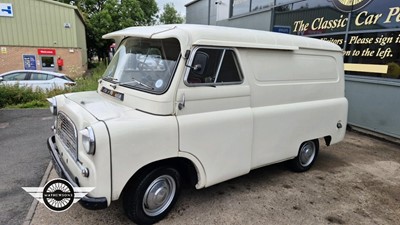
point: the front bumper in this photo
(86, 202)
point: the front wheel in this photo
(306, 157)
(152, 196)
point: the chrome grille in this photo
(67, 132)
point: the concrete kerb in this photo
(35, 202)
(373, 134)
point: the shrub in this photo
(31, 104)
(14, 95)
(89, 81)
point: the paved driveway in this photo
(23, 159)
(354, 182)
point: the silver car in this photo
(36, 79)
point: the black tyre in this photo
(152, 196)
(306, 157)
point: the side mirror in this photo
(1, 79)
(200, 62)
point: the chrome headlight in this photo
(53, 105)
(88, 140)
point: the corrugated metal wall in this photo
(41, 23)
(374, 104)
(198, 12)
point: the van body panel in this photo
(280, 77)
(220, 140)
(274, 126)
(99, 165)
(216, 126)
(138, 139)
(155, 104)
(98, 105)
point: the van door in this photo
(214, 115)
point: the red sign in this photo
(45, 51)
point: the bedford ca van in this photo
(200, 105)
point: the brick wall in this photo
(11, 59)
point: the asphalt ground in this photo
(354, 182)
(23, 159)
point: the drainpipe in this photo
(346, 35)
(272, 21)
(209, 11)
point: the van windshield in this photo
(144, 64)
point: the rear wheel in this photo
(152, 196)
(306, 157)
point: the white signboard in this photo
(6, 9)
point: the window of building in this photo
(367, 31)
(240, 7)
(374, 48)
(218, 67)
(47, 63)
(289, 5)
(260, 4)
(377, 15)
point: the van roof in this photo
(191, 34)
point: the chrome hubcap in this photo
(159, 195)
(307, 153)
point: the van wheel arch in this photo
(152, 191)
(184, 166)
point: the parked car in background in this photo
(44, 80)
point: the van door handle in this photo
(181, 104)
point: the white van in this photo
(197, 104)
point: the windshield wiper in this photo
(137, 82)
(109, 79)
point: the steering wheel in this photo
(143, 66)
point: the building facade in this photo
(35, 33)
(368, 31)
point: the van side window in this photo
(229, 70)
(214, 66)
